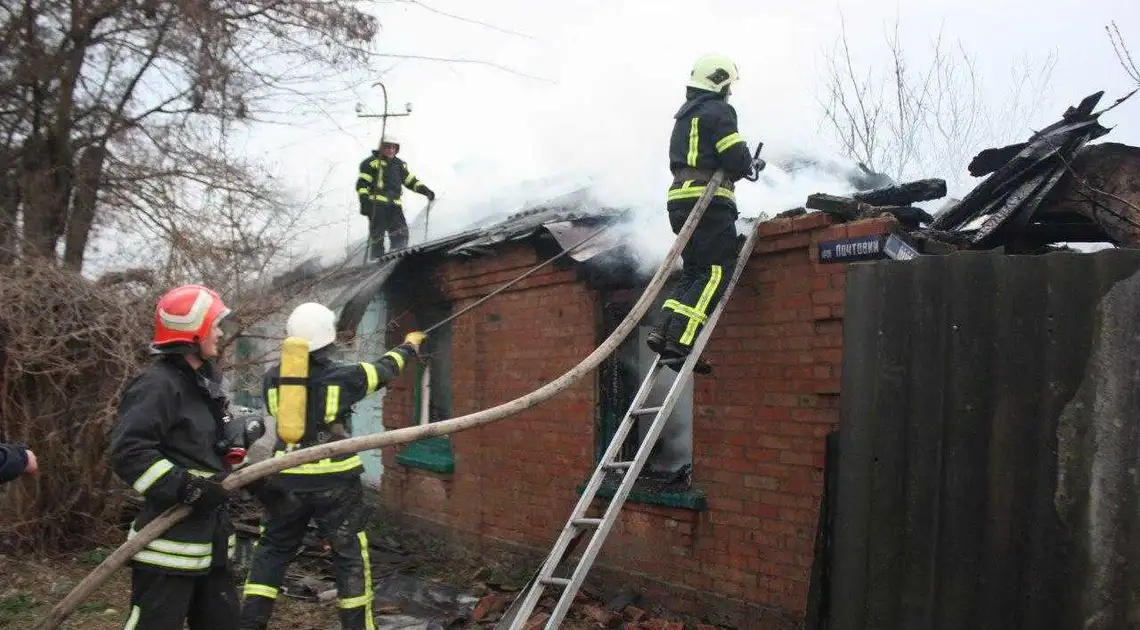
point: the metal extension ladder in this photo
(580, 524)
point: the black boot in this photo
(656, 339)
(675, 355)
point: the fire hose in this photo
(251, 473)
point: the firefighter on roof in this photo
(167, 446)
(379, 186)
(328, 491)
(705, 138)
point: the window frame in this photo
(646, 490)
(434, 454)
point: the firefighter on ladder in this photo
(328, 491)
(169, 445)
(379, 186)
(705, 138)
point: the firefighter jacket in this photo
(382, 180)
(170, 420)
(333, 389)
(705, 138)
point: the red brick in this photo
(600, 615)
(537, 621)
(830, 234)
(633, 613)
(867, 227)
(489, 605)
(812, 221)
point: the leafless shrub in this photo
(66, 347)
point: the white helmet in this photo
(314, 323)
(713, 72)
(390, 138)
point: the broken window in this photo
(670, 461)
(433, 385)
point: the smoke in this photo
(491, 143)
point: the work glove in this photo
(414, 339)
(430, 194)
(276, 499)
(204, 494)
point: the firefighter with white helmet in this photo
(379, 186)
(328, 491)
(705, 138)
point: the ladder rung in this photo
(586, 522)
(553, 581)
(646, 410)
(617, 465)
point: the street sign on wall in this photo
(873, 247)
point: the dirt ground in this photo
(29, 587)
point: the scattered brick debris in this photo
(537, 621)
(489, 605)
(633, 613)
(600, 615)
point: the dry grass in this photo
(30, 587)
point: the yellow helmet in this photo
(713, 72)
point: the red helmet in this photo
(185, 315)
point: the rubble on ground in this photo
(407, 598)
(588, 611)
(1053, 188)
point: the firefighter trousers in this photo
(162, 601)
(708, 261)
(341, 517)
(386, 218)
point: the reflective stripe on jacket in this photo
(168, 424)
(382, 180)
(705, 138)
(333, 389)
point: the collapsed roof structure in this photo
(1053, 188)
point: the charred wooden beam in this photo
(991, 160)
(847, 209)
(844, 208)
(904, 194)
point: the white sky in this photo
(617, 70)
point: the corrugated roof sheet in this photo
(366, 278)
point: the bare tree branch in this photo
(468, 61)
(1123, 54)
(911, 122)
(465, 19)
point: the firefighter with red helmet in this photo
(166, 446)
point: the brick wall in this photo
(512, 345)
(758, 425)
